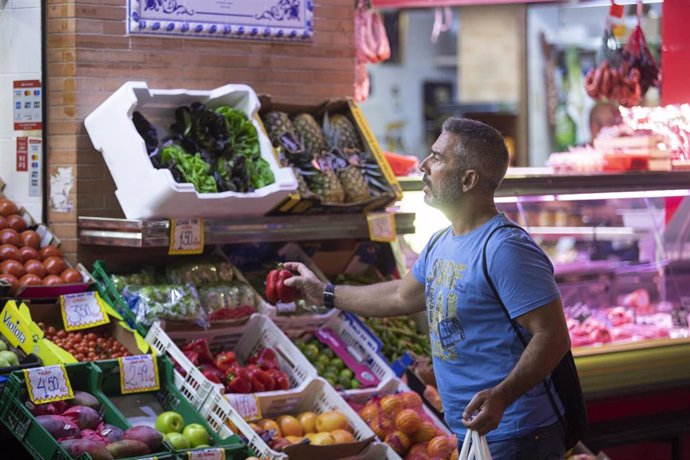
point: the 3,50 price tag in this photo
(82, 310)
(186, 236)
(206, 454)
(48, 384)
(245, 405)
(138, 374)
(381, 226)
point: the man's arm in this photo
(549, 343)
(390, 298)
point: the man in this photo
(602, 115)
(487, 380)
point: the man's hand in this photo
(489, 405)
(309, 286)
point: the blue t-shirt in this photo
(474, 347)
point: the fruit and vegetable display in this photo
(201, 291)
(400, 421)
(399, 336)
(261, 371)
(78, 426)
(88, 345)
(23, 262)
(329, 160)
(327, 364)
(325, 429)
(8, 358)
(216, 150)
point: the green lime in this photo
(344, 381)
(346, 373)
(331, 381)
(328, 352)
(323, 359)
(338, 363)
(320, 368)
(330, 375)
(311, 352)
(316, 343)
(331, 369)
(354, 384)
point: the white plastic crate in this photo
(245, 340)
(318, 396)
(360, 344)
(145, 192)
(193, 385)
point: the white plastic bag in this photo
(474, 447)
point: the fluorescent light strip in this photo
(599, 231)
(524, 199)
(621, 195)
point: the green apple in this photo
(202, 446)
(196, 434)
(3, 345)
(178, 440)
(169, 422)
(4, 363)
(10, 357)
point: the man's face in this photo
(442, 173)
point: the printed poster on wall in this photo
(244, 19)
(28, 111)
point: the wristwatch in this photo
(329, 296)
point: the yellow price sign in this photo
(186, 236)
(48, 384)
(138, 374)
(82, 310)
(381, 226)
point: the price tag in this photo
(381, 226)
(138, 374)
(186, 236)
(48, 384)
(616, 11)
(206, 454)
(82, 310)
(245, 405)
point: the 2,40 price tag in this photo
(48, 384)
(82, 310)
(186, 236)
(206, 454)
(138, 374)
(245, 405)
(381, 226)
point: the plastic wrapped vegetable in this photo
(231, 295)
(200, 273)
(164, 301)
(143, 277)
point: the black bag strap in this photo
(434, 238)
(512, 322)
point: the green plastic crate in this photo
(170, 398)
(110, 294)
(36, 439)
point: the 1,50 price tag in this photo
(48, 384)
(82, 310)
(245, 405)
(138, 374)
(381, 226)
(206, 454)
(186, 236)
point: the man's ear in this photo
(470, 179)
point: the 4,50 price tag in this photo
(138, 374)
(82, 310)
(381, 226)
(206, 454)
(245, 405)
(186, 236)
(48, 384)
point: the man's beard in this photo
(446, 194)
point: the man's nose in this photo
(422, 165)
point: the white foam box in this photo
(145, 192)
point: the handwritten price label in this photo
(82, 310)
(186, 236)
(206, 454)
(138, 374)
(245, 405)
(381, 226)
(48, 384)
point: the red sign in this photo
(22, 154)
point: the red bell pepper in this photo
(267, 359)
(280, 379)
(193, 356)
(225, 360)
(239, 381)
(212, 373)
(276, 290)
(263, 377)
(200, 346)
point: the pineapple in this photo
(341, 133)
(354, 184)
(327, 186)
(312, 135)
(277, 124)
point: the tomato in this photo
(61, 333)
(91, 336)
(16, 222)
(12, 267)
(52, 280)
(12, 281)
(49, 251)
(30, 280)
(8, 251)
(28, 253)
(31, 239)
(9, 236)
(7, 207)
(54, 265)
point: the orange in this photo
(269, 424)
(290, 426)
(308, 421)
(342, 436)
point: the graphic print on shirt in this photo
(442, 303)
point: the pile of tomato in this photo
(86, 346)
